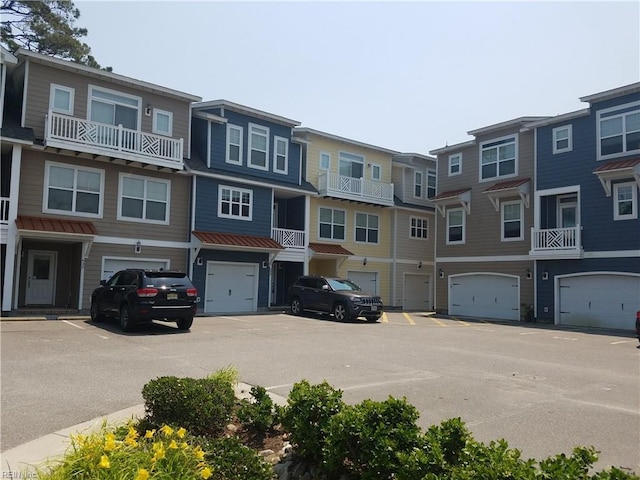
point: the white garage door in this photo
(417, 292)
(484, 295)
(112, 265)
(231, 287)
(368, 281)
(598, 300)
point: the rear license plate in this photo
(172, 296)
(374, 308)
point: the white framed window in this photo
(512, 214)
(432, 179)
(456, 223)
(162, 122)
(376, 172)
(234, 144)
(73, 190)
(562, 139)
(498, 158)
(331, 223)
(619, 130)
(351, 165)
(325, 161)
(625, 201)
(455, 164)
(143, 199)
(419, 228)
(235, 203)
(367, 228)
(114, 108)
(280, 155)
(258, 147)
(417, 184)
(61, 99)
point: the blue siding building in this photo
(250, 207)
(586, 234)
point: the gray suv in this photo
(340, 297)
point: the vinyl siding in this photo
(40, 78)
(32, 187)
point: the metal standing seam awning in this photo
(460, 197)
(234, 241)
(57, 229)
(518, 187)
(618, 170)
(329, 251)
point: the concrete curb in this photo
(24, 460)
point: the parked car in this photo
(135, 296)
(638, 325)
(340, 297)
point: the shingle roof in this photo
(329, 249)
(234, 240)
(56, 225)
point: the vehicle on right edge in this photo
(337, 296)
(638, 325)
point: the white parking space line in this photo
(529, 333)
(237, 319)
(623, 341)
(565, 338)
(103, 337)
(73, 324)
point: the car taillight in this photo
(192, 292)
(147, 292)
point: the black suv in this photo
(134, 296)
(343, 298)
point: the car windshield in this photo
(339, 284)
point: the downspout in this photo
(191, 260)
(11, 273)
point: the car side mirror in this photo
(325, 287)
(103, 282)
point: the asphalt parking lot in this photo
(544, 389)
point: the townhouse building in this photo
(93, 180)
(586, 233)
(484, 215)
(414, 178)
(250, 207)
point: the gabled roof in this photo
(618, 170)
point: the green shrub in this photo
(364, 439)
(228, 374)
(307, 414)
(203, 406)
(231, 460)
(116, 454)
(259, 415)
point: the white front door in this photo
(231, 287)
(41, 277)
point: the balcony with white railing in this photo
(357, 189)
(549, 243)
(293, 242)
(62, 131)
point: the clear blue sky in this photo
(408, 76)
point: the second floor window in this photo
(455, 164)
(351, 165)
(498, 158)
(258, 147)
(367, 228)
(332, 224)
(512, 218)
(417, 184)
(234, 144)
(281, 155)
(144, 199)
(419, 227)
(455, 226)
(431, 183)
(234, 203)
(619, 130)
(562, 141)
(114, 108)
(73, 190)
(625, 203)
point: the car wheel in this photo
(296, 306)
(340, 312)
(96, 316)
(126, 321)
(185, 323)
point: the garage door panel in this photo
(417, 292)
(485, 295)
(599, 300)
(367, 281)
(231, 288)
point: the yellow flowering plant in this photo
(116, 453)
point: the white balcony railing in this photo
(358, 189)
(288, 238)
(4, 210)
(94, 137)
(556, 241)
